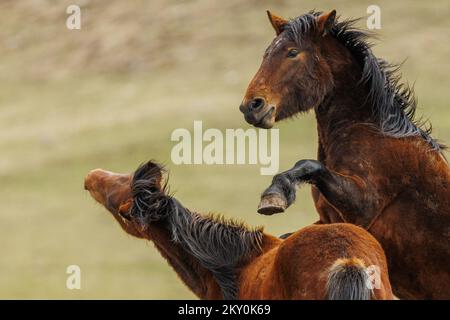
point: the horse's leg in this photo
(327, 213)
(346, 194)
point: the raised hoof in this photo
(271, 204)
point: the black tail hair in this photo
(348, 280)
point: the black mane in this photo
(218, 244)
(393, 102)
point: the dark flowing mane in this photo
(393, 102)
(219, 244)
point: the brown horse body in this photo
(376, 167)
(406, 202)
(218, 259)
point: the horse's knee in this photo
(309, 167)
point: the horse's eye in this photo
(125, 215)
(292, 53)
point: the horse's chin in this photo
(268, 121)
(265, 124)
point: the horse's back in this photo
(318, 248)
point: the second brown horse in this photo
(219, 259)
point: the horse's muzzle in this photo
(260, 118)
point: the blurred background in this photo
(109, 95)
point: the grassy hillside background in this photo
(110, 94)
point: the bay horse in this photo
(377, 166)
(218, 258)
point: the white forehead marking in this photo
(276, 44)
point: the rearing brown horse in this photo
(377, 167)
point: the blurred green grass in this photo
(110, 95)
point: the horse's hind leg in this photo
(347, 194)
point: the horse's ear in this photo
(277, 22)
(325, 22)
(125, 208)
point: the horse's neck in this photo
(344, 109)
(197, 278)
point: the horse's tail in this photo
(348, 280)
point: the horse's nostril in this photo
(256, 104)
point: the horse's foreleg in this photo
(346, 193)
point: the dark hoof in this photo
(271, 204)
